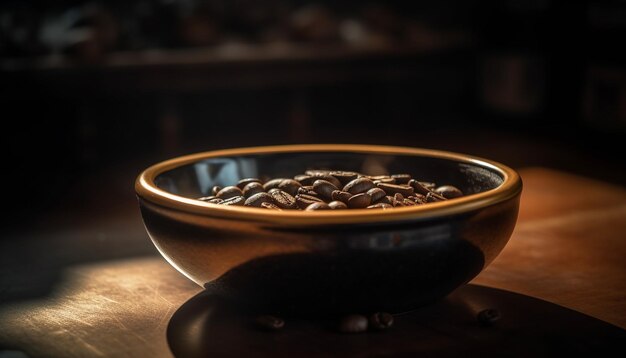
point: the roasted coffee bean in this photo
(396, 203)
(339, 195)
(359, 201)
(229, 192)
(418, 199)
(268, 205)
(269, 323)
(283, 199)
(252, 188)
(418, 187)
(380, 321)
(317, 172)
(243, 182)
(401, 178)
(359, 185)
(380, 206)
(380, 177)
(432, 197)
(385, 200)
(391, 189)
(235, 201)
(305, 189)
(488, 317)
(324, 188)
(304, 200)
(355, 323)
(449, 191)
(338, 188)
(317, 206)
(385, 180)
(258, 199)
(272, 184)
(290, 186)
(329, 178)
(305, 179)
(376, 194)
(344, 177)
(337, 205)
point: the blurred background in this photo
(95, 91)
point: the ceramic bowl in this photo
(356, 260)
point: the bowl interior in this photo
(196, 179)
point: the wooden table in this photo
(568, 248)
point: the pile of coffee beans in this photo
(332, 190)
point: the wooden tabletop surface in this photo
(568, 248)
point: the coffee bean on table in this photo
(229, 192)
(269, 323)
(215, 190)
(353, 324)
(380, 321)
(488, 317)
(359, 185)
(449, 191)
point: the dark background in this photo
(95, 91)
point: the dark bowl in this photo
(357, 260)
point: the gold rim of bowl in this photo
(147, 190)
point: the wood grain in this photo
(568, 248)
(569, 245)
